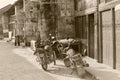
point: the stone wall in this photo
(66, 19)
(31, 18)
(85, 4)
(19, 18)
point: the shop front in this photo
(107, 37)
(117, 25)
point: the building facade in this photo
(1, 29)
(45, 17)
(86, 25)
(31, 19)
(6, 21)
(57, 18)
(26, 19)
(109, 32)
(97, 22)
(19, 14)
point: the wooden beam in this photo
(100, 39)
(86, 12)
(87, 25)
(52, 3)
(98, 19)
(108, 5)
(114, 38)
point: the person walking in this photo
(17, 40)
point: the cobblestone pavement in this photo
(14, 67)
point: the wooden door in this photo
(91, 35)
(117, 25)
(107, 37)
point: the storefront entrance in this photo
(117, 25)
(107, 37)
(91, 35)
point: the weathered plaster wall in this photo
(19, 18)
(31, 18)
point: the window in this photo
(80, 27)
(75, 4)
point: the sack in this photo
(67, 62)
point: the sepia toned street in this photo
(14, 67)
(59, 39)
(18, 63)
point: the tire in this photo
(44, 67)
(44, 64)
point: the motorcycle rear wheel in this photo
(44, 67)
(44, 64)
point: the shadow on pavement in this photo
(62, 71)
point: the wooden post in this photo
(87, 25)
(114, 38)
(99, 34)
(100, 39)
(97, 12)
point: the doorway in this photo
(107, 37)
(91, 35)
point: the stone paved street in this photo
(14, 67)
(18, 63)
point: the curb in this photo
(88, 74)
(91, 75)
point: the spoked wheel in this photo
(44, 64)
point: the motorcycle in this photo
(74, 59)
(45, 55)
